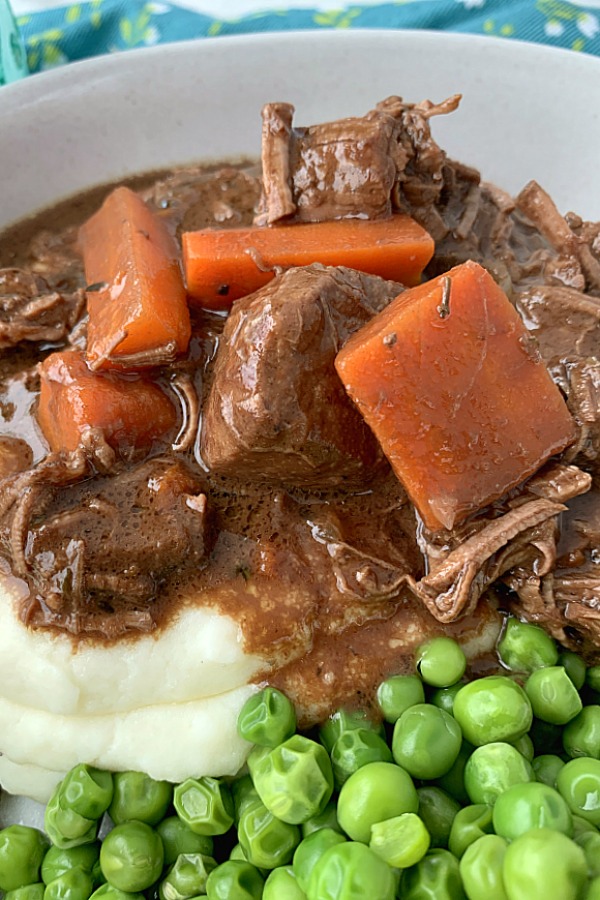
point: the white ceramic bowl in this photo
(528, 111)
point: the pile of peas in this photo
(486, 790)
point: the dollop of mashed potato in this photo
(166, 704)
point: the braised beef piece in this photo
(201, 197)
(519, 532)
(106, 545)
(31, 311)
(277, 411)
(358, 167)
(566, 324)
(565, 600)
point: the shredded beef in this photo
(458, 576)
(30, 311)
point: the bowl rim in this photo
(27, 89)
(293, 64)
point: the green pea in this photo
(525, 648)
(137, 797)
(481, 868)
(441, 662)
(426, 741)
(131, 856)
(108, 892)
(282, 885)
(579, 783)
(544, 864)
(187, 877)
(524, 745)
(27, 892)
(470, 824)
(21, 852)
(492, 709)
(574, 666)
(553, 696)
(326, 819)
(267, 718)
(235, 880)
(397, 694)
(592, 678)
(581, 737)
(205, 805)
(244, 794)
(453, 782)
(593, 890)
(375, 792)
(237, 852)
(582, 826)
(267, 842)
(402, 841)
(346, 720)
(310, 850)
(178, 838)
(437, 809)
(293, 780)
(354, 749)
(524, 807)
(74, 884)
(435, 877)
(492, 769)
(350, 871)
(546, 768)
(65, 827)
(57, 861)
(444, 697)
(589, 841)
(87, 791)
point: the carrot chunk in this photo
(130, 411)
(452, 386)
(223, 265)
(138, 313)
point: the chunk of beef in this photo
(100, 548)
(357, 167)
(30, 311)
(277, 411)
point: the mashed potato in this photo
(167, 707)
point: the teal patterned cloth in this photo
(87, 29)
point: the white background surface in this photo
(221, 8)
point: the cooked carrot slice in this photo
(138, 313)
(130, 411)
(223, 265)
(456, 393)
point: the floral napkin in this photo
(90, 28)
